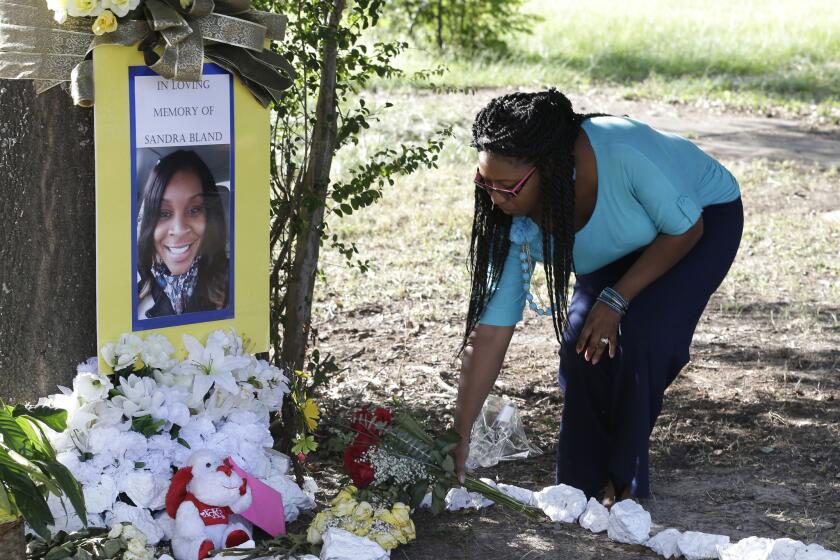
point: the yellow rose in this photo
(313, 535)
(363, 511)
(321, 520)
(120, 7)
(344, 507)
(385, 540)
(409, 532)
(82, 8)
(361, 527)
(401, 512)
(347, 493)
(105, 23)
(387, 517)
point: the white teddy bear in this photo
(202, 498)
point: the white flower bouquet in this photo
(128, 432)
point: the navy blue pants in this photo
(610, 408)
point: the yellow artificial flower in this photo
(362, 526)
(105, 23)
(321, 520)
(311, 414)
(385, 540)
(120, 7)
(347, 493)
(363, 512)
(82, 8)
(313, 536)
(387, 517)
(185, 4)
(409, 531)
(344, 508)
(400, 512)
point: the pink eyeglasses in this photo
(511, 192)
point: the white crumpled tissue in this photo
(697, 546)
(596, 517)
(344, 545)
(750, 548)
(561, 503)
(664, 543)
(629, 523)
(460, 498)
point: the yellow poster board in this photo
(182, 187)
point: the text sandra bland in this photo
(182, 138)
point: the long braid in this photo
(540, 128)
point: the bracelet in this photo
(614, 301)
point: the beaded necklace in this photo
(523, 232)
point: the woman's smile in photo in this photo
(181, 225)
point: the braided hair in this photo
(540, 128)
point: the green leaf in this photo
(418, 492)
(13, 435)
(6, 507)
(69, 486)
(449, 464)
(146, 425)
(36, 436)
(62, 552)
(55, 418)
(438, 498)
(183, 442)
(410, 425)
(110, 548)
(448, 440)
(32, 505)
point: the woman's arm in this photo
(657, 259)
(480, 367)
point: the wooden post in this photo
(47, 241)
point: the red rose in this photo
(359, 470)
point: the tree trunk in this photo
(313, 193)
(314, 187)
(439, 30)
(47, 240)
(12, 541)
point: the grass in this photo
(753, 55)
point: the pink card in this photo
(266, 511)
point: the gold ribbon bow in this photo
(33, 46)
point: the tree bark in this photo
(47, 240)
(12, 540)
(314, 187)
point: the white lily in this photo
(211, 367)
(228, 340)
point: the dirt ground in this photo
(749, 439)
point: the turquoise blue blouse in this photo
(649, 182)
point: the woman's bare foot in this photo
(607, 495)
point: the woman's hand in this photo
(601, 323)
(460, 455)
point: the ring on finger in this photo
(604, 340)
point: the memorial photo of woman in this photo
(182, 259)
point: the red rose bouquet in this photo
(394, 457)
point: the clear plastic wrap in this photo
(498, 435)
